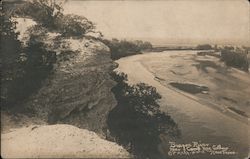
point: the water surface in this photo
(201, 117)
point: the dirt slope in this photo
(59, 141)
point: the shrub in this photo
(48, 14)
(74, 25)
(10, 56)
(23, 68)
(137, 122)
(235, 58)
(44, 12)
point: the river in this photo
(202, 117)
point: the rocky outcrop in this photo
(57, 141)
(78, 92)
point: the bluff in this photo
(78, 91)
(73, 101)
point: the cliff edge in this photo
(59, 119)
(60, 141)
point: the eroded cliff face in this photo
(78, 92)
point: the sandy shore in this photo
(196, 118)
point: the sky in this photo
(169, 22)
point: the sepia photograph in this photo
(128, 79)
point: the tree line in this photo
(122, 48)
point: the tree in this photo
(48, 14)
(235, 58)
(44, 12)
(23, 68)
(137, 122)
(122, 48)
(74, 25)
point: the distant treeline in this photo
(198, 47)
(232, 56)
(122, 48)
(236, 57)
